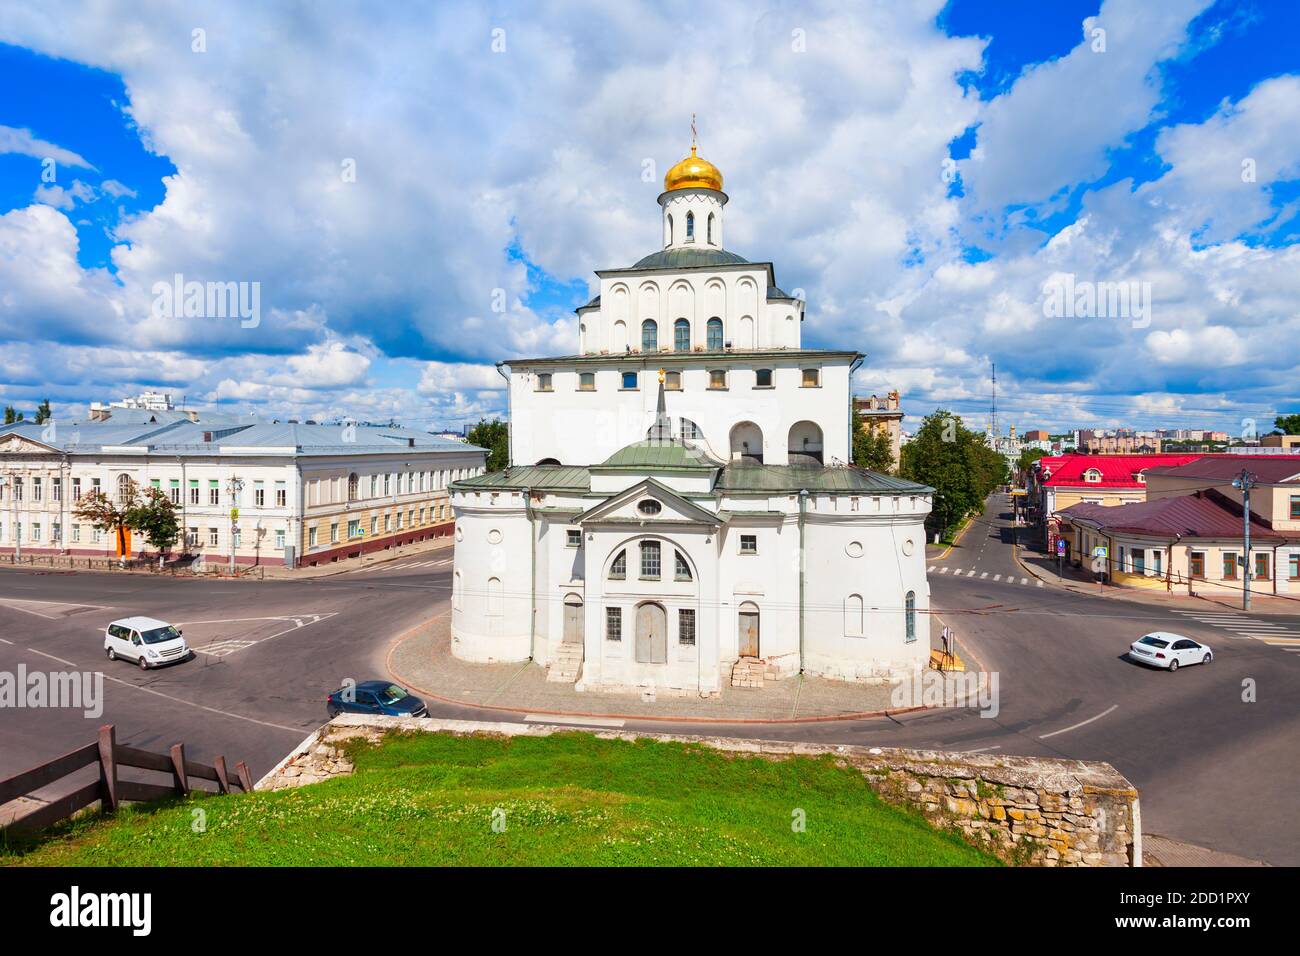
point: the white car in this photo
(1169, 650)
(147, 641)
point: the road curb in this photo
(714, 721)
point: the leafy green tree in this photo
(109, 515)
(43, 412)
(154, 516)
(1027, 458)
(12, 415)
(1288, 424)
(495, 437)
(957, 463)
(872, 448)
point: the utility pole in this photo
(235, 485)
(993, 412)
(1245, 481)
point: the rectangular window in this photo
(374, 525)
(1295, 506)
(214, 492)
(673, 381)
(686, 626)
(76, 489)
(174, 490)
(749, 544)
(76, 534)
(374, 485)
(763, 378)
(259, 494)
(1229, 567)
(56, 489)
(544, 382)
(613, 624)
(1261, 567)
(36, 531)
(650, 565)
(1294, 565)
(36, 489)
(718, 378)
(334, 533)
(214, 537)
(354, 528)
(279, 539)
(573, 538)
(194, 491)
(281, 494)
(1197, 568)
(812, 377)
(191, 537)
(586, 381)
(629, 380)
(311, 537)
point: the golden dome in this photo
(693, 172)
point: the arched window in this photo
(909, 617)
(456, 591)
(853, 615)
(715, 335)
(681, 567)
(494, 597)
(710, 235)
(668, 240)
(682, 335)
(618, 570)
(353, 482)
(123, 489)
(690, 226)
(649, 335)
(688, 430)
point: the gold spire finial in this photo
(661, 376)
(693, 171)
(692, 132)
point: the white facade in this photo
(680, 497)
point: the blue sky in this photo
(483, 176)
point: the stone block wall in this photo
(1028, 811)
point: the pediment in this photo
(14, 444)
(630, 505)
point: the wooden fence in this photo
(109, 790)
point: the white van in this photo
(145, 640)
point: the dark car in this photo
(375, 697)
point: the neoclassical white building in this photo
(680, 498)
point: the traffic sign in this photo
(1060, 546)
(1100, 551)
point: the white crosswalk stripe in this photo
(1240, 627)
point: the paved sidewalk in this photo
(382, 556)
(1081, 581)
(1162, 851)
(423, 662)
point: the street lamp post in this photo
(1245, 481)
(235, 485)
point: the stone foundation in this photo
(1028, 811)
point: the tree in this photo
(957, 463)
(154, 516)
(872, 448)
(12, 415)
(1288, 424)
(495, 437)
(108, 515)
(43, 412)
(1027, 458)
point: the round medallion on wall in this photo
(853, 549)
(494, 536)
(909, 546)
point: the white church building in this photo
(680, 511)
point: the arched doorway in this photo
(573, 619)
(747, 442)
(651, 634)
(747, 629)
(805, 439)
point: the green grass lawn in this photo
(568, 799)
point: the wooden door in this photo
(651, 634)
(748, 633)
(573, 621)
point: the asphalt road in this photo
(1212, 769)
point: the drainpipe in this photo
(857, 363)
(532, 575)
(803, 502)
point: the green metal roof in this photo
(660, 454)
(746, 476)
(689, 259)
(536, 477)
(669, 358)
